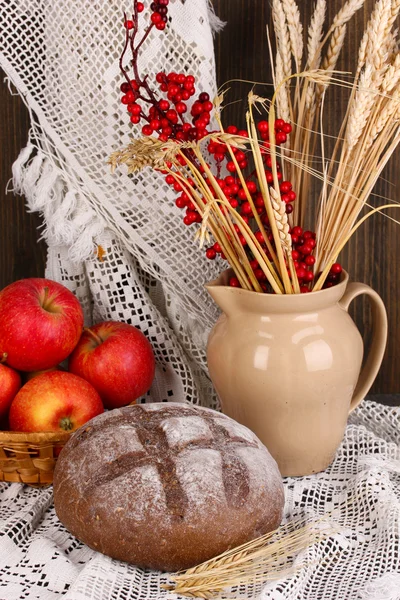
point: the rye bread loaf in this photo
(166, 486)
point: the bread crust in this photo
(166, 486)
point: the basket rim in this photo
(35, 437)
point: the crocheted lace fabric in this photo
(63, 59)
(40, 560)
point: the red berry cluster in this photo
(165, 117)
(159, 13)
(333, 276)
(282, 129)
(303, 244)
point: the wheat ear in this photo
(282, 36)
(315, 31)
(295, 30)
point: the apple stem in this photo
(93, 335)
(66, 424)
(3, 358)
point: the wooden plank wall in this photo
(241, 53)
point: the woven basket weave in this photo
(29, 457)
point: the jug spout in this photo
(225, 296)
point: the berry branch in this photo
(169, 119)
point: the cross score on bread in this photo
(188, 431)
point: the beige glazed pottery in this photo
(288, 367)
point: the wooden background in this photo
(241, 53)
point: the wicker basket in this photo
(29, 457)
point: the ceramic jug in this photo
(288, 367)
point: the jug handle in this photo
(379, 338)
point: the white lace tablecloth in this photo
(40, 560)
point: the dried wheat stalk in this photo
(369, 132)
(282, 38)
(263, 559)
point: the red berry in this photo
(287, 128)
(251, 186)
(305, 249)
(336, 269)
(147, 130)
(140, 7)
(204, 97)
(128, 24)
(180, 202)
(135, 109)
(125, 87)
(135, 119)
(279, 123)
(297, 231)
(160, 26)
(280, 138)
(180, 107)
(155, 124)
(304, 289)
(208, 106)
(156, 18)
(170, 179)
(259, 237)
(167, 131)
(231, 167)
(269, 177)
(309, 276)
(234, 282)
(263, 127)
(285, 187)
(172, 116)
(217, 248)
(211, 253)
(309, 260)
(164, 105)
(197, 109)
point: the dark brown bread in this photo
(166, 486)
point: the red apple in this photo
(117, 359)
(10, 382)
(40, 324)
(54, 401)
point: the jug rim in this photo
(224, 295)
